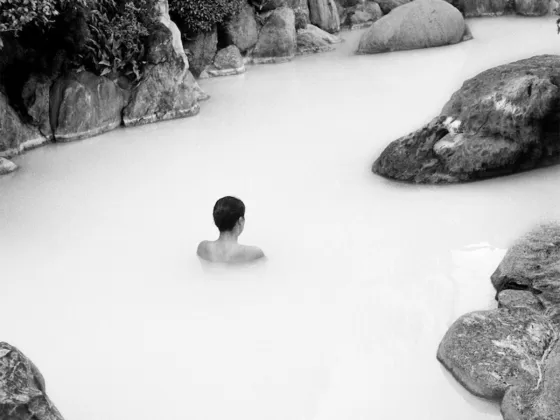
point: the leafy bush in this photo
(15, 15)
(106, 37)
(198, 16)
(118, 34)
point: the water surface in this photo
(101, 287)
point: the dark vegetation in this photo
(52, 37)
(198, 16)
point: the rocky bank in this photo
(512, 354)
(77, 105)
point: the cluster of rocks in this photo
(512, 353)
(266, 31)
(22, 388)
(502, 121)
(80, 104)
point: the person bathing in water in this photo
(229, 217)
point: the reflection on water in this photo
(103, 290)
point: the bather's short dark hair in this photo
(227, 211)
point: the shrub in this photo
(16, 15)
(198, 16)
(118, 33)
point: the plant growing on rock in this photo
(17, 14)
(198, 16)
(118, 34)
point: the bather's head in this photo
(229, 215)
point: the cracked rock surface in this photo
(502, 121)
(512, 354)
(22, 388)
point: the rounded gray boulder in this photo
(418, 24)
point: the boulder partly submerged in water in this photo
(22, 388)
(533, 263)
(512, 354)
(502, 121)
(418, 24)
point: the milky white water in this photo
(101, 287)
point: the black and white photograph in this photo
(279, 209)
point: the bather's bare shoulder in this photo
(202, 250)
(250, 253)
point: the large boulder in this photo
(324, 14)
(15, 135)
(22, 388)
(277, 38)
(512, 354)
(501, 121)
(242, 29)
(84, 105)
(201, 51)
(533, 264)
(490, 351)
(167, 89)
(419, 24)
(314, 40)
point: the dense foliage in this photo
(198, 16)
(15, 15)
(117, 36)
(107, 37)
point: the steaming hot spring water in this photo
(102, 289)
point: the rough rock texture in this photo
(167, 89)
(166, 21)
(199, 94)
(512, 299)
(388, 5)
(313, 40)
(228, 61)
(366, 15)
(502, 121)
(532, 7)
(36, 98)
(512, 353)
(277, 38)
(201, 51)
(324, 14)
(15, 135)
(490, 351)
(533, 264)
(242, 29)
(22, 388)
(89, 105)
(419, 24)
(228, 58)
(6, 166)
